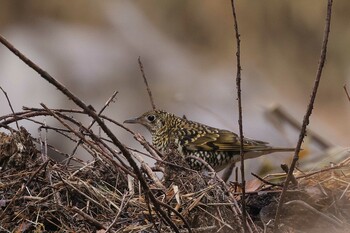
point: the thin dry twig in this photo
(149, 171)
(68, 183)
(58, 116)
(228, 171)
(33, 112)
(111, 99)
(150, 214)
(346, 92)
(315, 211)
(9, 102)
(203, 229)
(308, 113)
(286, 170)
(91, 190)
(217, 219)
(42, 112)
(89, 218)
(122, 205)
(103, 126)
(235, 210)
(224, 185)
(177, 214)
(146, 83)
(240, 118)
(322, 170)
(151, 150)
(282, 114)
(20, 192)
(265, 181)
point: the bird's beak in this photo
(132, 121)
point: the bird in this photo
(218, 147)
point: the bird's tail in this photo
(266, 150)
(280, 149)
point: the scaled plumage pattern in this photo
(217, 147)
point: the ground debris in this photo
(39, 194)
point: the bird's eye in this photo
(151, 118)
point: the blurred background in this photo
(188, 52)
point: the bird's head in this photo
(153, 120)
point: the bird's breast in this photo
(159, 142)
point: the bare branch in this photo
(236, 210)
(87, 109)
(89, 218)
(308, 113)
(228, 171)
(111, 99)
(315, 211)
(23, 188)
(282, 114)
(265, 181)
(146, 83)
(346, 92)
(240, 120)
(9, 102)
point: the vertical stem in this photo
(146, 83)
(308, 113)
(240, 120)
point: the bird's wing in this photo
(221, 140)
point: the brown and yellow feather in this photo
(217, 147)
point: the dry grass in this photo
(39, 194)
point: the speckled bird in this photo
(218, 147)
